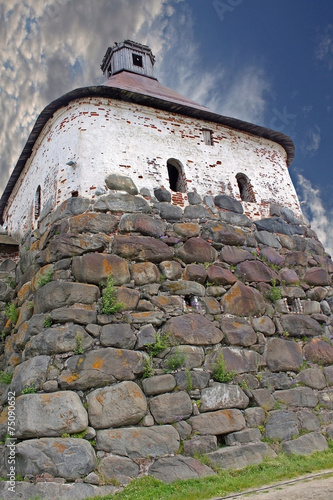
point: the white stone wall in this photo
(104, 135)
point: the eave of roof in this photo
(129, 87)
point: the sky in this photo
(269, 62)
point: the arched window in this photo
(245, 188)
(176, 173)
(38, 201)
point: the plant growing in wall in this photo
(11, 313)
(275, 293)
(44, 278)
(220, 373)
(109, 298)
(175, 361)
(162, 342)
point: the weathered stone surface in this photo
(69, 458)
(199, 445)
(193, 356)
(183, 428)
(299, 325)
(220, 276)
(119, 202)
(183, 287)
(243, 437)
(242, 300)
(264, 398)
(308, 421)
(139, 442)
(197, 250)
(237, 457)
(143, 224)
(145, 272)
(238, 331)
(211, 305)
(304, 445)
(158, 384)
(271, 255)
(276, 380)
(326, 398)
(168, 408)
(56, 491)
(187, 229)
(100, 367)
(195, 272)
(128, 297)
(235, 359)
(266, 238)
(317, 293)
(117, 405)
(218, 422)
(170, 469)
(197, 212)
(153, 317)
(198, 379)
(117, 182)
(194, 198)
(281, 424)
(121, 469)
(228, 203)
(92, 223)
(289, 276)
(319, 351)
(283, 355)
(234, 255)
(162, 194)
(235, 219)
(220, 232)
(221, 396)
(83, 314)
(317, 276)
(298, 396)
(312, 377)
(96, 267)
(328, 372)
(254, 416)
(31, 373)
(263, 324)
(255, 271)
(70, 207)
(118, 335)
(68, 245)
(142, 248)
(169, 212)
(50, 415)
(171, 270)
(193, 329)
(277, 225)
(58, 339)
(52, 296)
(146, 335)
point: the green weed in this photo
(220, 374)
(109, 298)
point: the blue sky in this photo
(269, 62)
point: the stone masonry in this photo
(219, 342)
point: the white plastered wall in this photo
(102, 135)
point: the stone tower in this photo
(169, 299)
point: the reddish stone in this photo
(96, 267)
(145, 272)
(193, 329)
(283, 355)
(242, 300)
(197, 250)
(187, 229)
(143, 224)
(220, 276)
(234, 255)
(92, 223)
(317, 276)
(195, 272)
(255, 271)
(289, 276)
(272, 256)
(319, 351)
(238, 331)
(223, 233)
(142, 248)
(296, 259)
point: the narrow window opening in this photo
(137, 60)
(38, 199)
(208, 137)
(245, 188)
(75, 194)
(177, 181)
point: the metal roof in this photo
(138, 89)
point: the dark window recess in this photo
(38, 200)
(137, 60)
(208, 137)
(245, 188)
(176, 176)
(75, 194)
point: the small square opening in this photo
(137, 60)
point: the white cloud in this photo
(324, 50)
(311, 143)
(316, 213)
